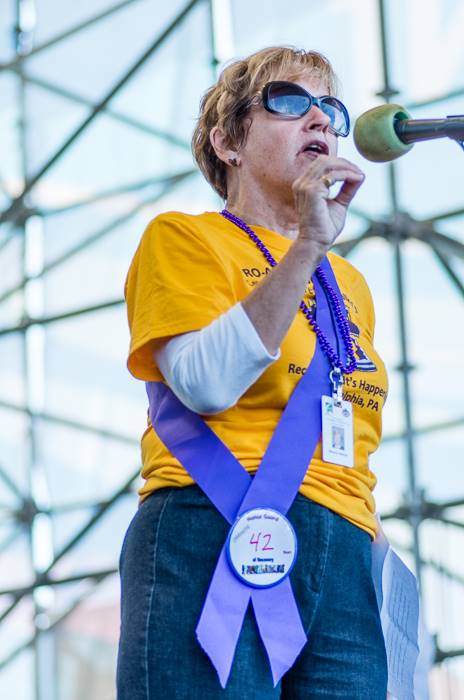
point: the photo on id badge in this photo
(338, 437)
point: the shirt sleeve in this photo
(176, 283)
(210, 369)
(368, 307)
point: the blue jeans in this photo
(167, 560)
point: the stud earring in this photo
(233, 161)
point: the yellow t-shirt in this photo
(187, 271)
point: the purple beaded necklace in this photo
(340, 318)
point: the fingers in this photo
(342, 175)
(327, 165)
(338, 169)
(314, 182)
(348, 191)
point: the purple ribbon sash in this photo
(231, 489)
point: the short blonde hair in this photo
(227, 102)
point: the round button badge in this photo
(261, 547)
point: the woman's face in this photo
(274, 154)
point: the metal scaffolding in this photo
(22, 220)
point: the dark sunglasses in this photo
(291, 100)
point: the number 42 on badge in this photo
(256, 540)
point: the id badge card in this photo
(337, 432)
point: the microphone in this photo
(388, 132)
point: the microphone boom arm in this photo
(412, 130)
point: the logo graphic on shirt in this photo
(363, 362)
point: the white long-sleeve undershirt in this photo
(210, 369)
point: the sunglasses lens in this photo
(291, 99)
(285, 99)
(337, 113)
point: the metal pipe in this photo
(27, 590)
(116, 191)
(14, 210)
(125, 488)
(451, 95)
(28, 322)
(136, 124)
(405, 366)
(68, 423)
(97, 235)
(445, 215)
(18, 60)
(30, 642)
(445, 244)
(448, 269)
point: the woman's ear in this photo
(222, 148)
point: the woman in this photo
(215, 318)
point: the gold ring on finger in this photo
(327, 180)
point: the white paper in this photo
(424, 662)
(407, 642)
(400, 623)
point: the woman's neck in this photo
(261, 210)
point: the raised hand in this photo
(321, 219)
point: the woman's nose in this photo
(316, 117)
